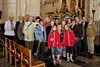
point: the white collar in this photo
(90, 23)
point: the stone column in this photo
(28, 5)
(18, 12)
(1, 5)
(1, 11)
(91, 7)
(87, 8)
(4, 10)
(22, 7)
(97, 11)
(12, 8)
(76, 3)
(68, 5)
(81, 3)
(34, 7)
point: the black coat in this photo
(48, 29)
(76, 31)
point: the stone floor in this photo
(80, 61)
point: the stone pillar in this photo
(0, 10)
(97, 11)
(87, 8)
(34, 7)
(28, 5)
(42, 9)
(1, 5)
(76, 3)
(81, 3)
(12, 8)
(4, 10)
(18, 12)
(22, 7)
(68, 5)
(91, 7)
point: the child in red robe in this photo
(68, 42)
(54, 44)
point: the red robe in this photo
(54, 39)
(68, 39)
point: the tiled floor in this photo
(80, 61)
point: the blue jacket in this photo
(39, 34)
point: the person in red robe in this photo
(54, 44)
(68, 42)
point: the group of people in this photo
(63, 36)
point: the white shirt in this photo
(83, 23)
(8, 30)
(90, 23)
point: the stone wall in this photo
(20, 7)
(1, 5)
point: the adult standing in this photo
(28, 31)
(20, 19)
(40, 37)
(91, 33)
(76, 31)
(9, 28)
(83, 26)
(20, 34)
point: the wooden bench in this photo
(22, 54)
(6, 47)
(29, 61)
(11, 50)
(18, 54)
(3, 48)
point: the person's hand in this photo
(82, 38)
(51, 39)
(49, 47)
(40, 40)
(44, 41)
(12, 28)
(27, 36)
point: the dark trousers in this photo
(10, 37)
(76, 47)
(29, 44)
(21, 42)
(84, 48)
(69, 49)
(39, 48)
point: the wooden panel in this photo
(26, 51)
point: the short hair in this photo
(40, 20)
(20, 16)
(59, 23)
(37, 17)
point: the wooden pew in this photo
(18, 54)
(22, 54)
(6, 47)
(11, 50)
(29, 61)
(3, 48)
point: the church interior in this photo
(25, 21)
